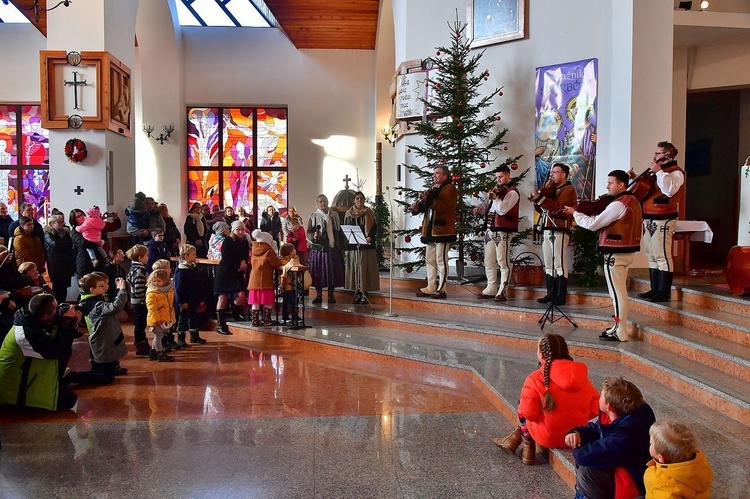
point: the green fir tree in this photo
(462, 132)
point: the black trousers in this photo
(139, 322)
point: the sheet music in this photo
(354, 234)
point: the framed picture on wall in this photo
(494, 21)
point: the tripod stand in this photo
(549, 314)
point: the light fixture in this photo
(704, 5)
(163, 137)
(36, 8)
(389, 134)
(685, 5)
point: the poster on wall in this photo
(565, 122)
(411, 92)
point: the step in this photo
(484, 327)
(500, 370)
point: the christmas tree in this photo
(462, 132)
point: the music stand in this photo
(549, 314)
(356, 237)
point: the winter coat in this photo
(136, 280)
(105, 333)
(189, 285)
(160, 305)
(84, 265)
(576, 402)
(30, 362)
(172, 236)
(215, 243)
(60, 253)
(156, 251)
(623, 442)
(229, 278)
(38, 230)
(138, 221)
(191, 230)
(5, 223)
(91, 229)
(28, 248)
(271, 225)
(264, 261)
(297, 238)
(686, 479)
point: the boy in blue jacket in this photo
(619, 438)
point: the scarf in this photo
(198, 223)
(366, 212)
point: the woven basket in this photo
(527, 275)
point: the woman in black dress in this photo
(230, 284)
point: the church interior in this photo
(258, 103)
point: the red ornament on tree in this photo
(407, 239)
(473, 257)
(455, 178)
(482, 165)
(514, 166)
(459, 125)
(400, 193)
(438, 52)
(500, 94)
(408, 150)
(505, 148)
(409, 270)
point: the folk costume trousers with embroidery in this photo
(497, 256)
(616, 274)
(657, 241)
(558, 248)
(436, 263)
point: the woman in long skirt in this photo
(327, 242)
(362, 257)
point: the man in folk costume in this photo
(500, 210)
(326, 241)
(660, 213)
(619, 227)
(551, 198)
(438, 229)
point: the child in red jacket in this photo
(554, 398)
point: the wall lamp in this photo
(36, 8)
(389, 134)
(163, 137)
(704, 5)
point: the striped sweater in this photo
(136, 280)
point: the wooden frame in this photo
(119, 98)
(495, 22)
(113, 92)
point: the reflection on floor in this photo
(241, 418)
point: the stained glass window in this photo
(24, 159)
(237, 157)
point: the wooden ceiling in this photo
(309, 24)
(328, 24)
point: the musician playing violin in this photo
(660, 213)
(438, 230)
(619, 227)
(500, 210)
(557, 194)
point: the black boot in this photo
(550, 289)
(561, 291)
(195, 337)
(664, 292)
(237, 314)
(221, 322)
(256, 317)
(653, 277)
(181, 343)
(170, 342)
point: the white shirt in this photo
(670, 183)
(613, 212)
(504, 206)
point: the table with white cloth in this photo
(685, 232)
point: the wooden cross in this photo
(346, 182)
(78, 190)
(75, 84)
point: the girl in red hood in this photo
(555, 398)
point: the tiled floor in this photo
(244, 418)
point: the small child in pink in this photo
(297, 237)
(91, 230)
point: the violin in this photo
(594, 207)
(547, 191)
(642, 185)
(424, 201)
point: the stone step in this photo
(714, 387)
(499, 371)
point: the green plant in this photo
(383, 221)
(586, 256)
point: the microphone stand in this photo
(390, 261)
(549, 314)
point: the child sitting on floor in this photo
(678, 467)
(619, 438)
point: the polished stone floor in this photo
(248, 418)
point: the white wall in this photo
(19, 59)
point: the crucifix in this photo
(346, 180)
(78, 190)
(75, 84)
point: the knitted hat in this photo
(220, 227)
(94, 212)
(237, 223)
(262, 237)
